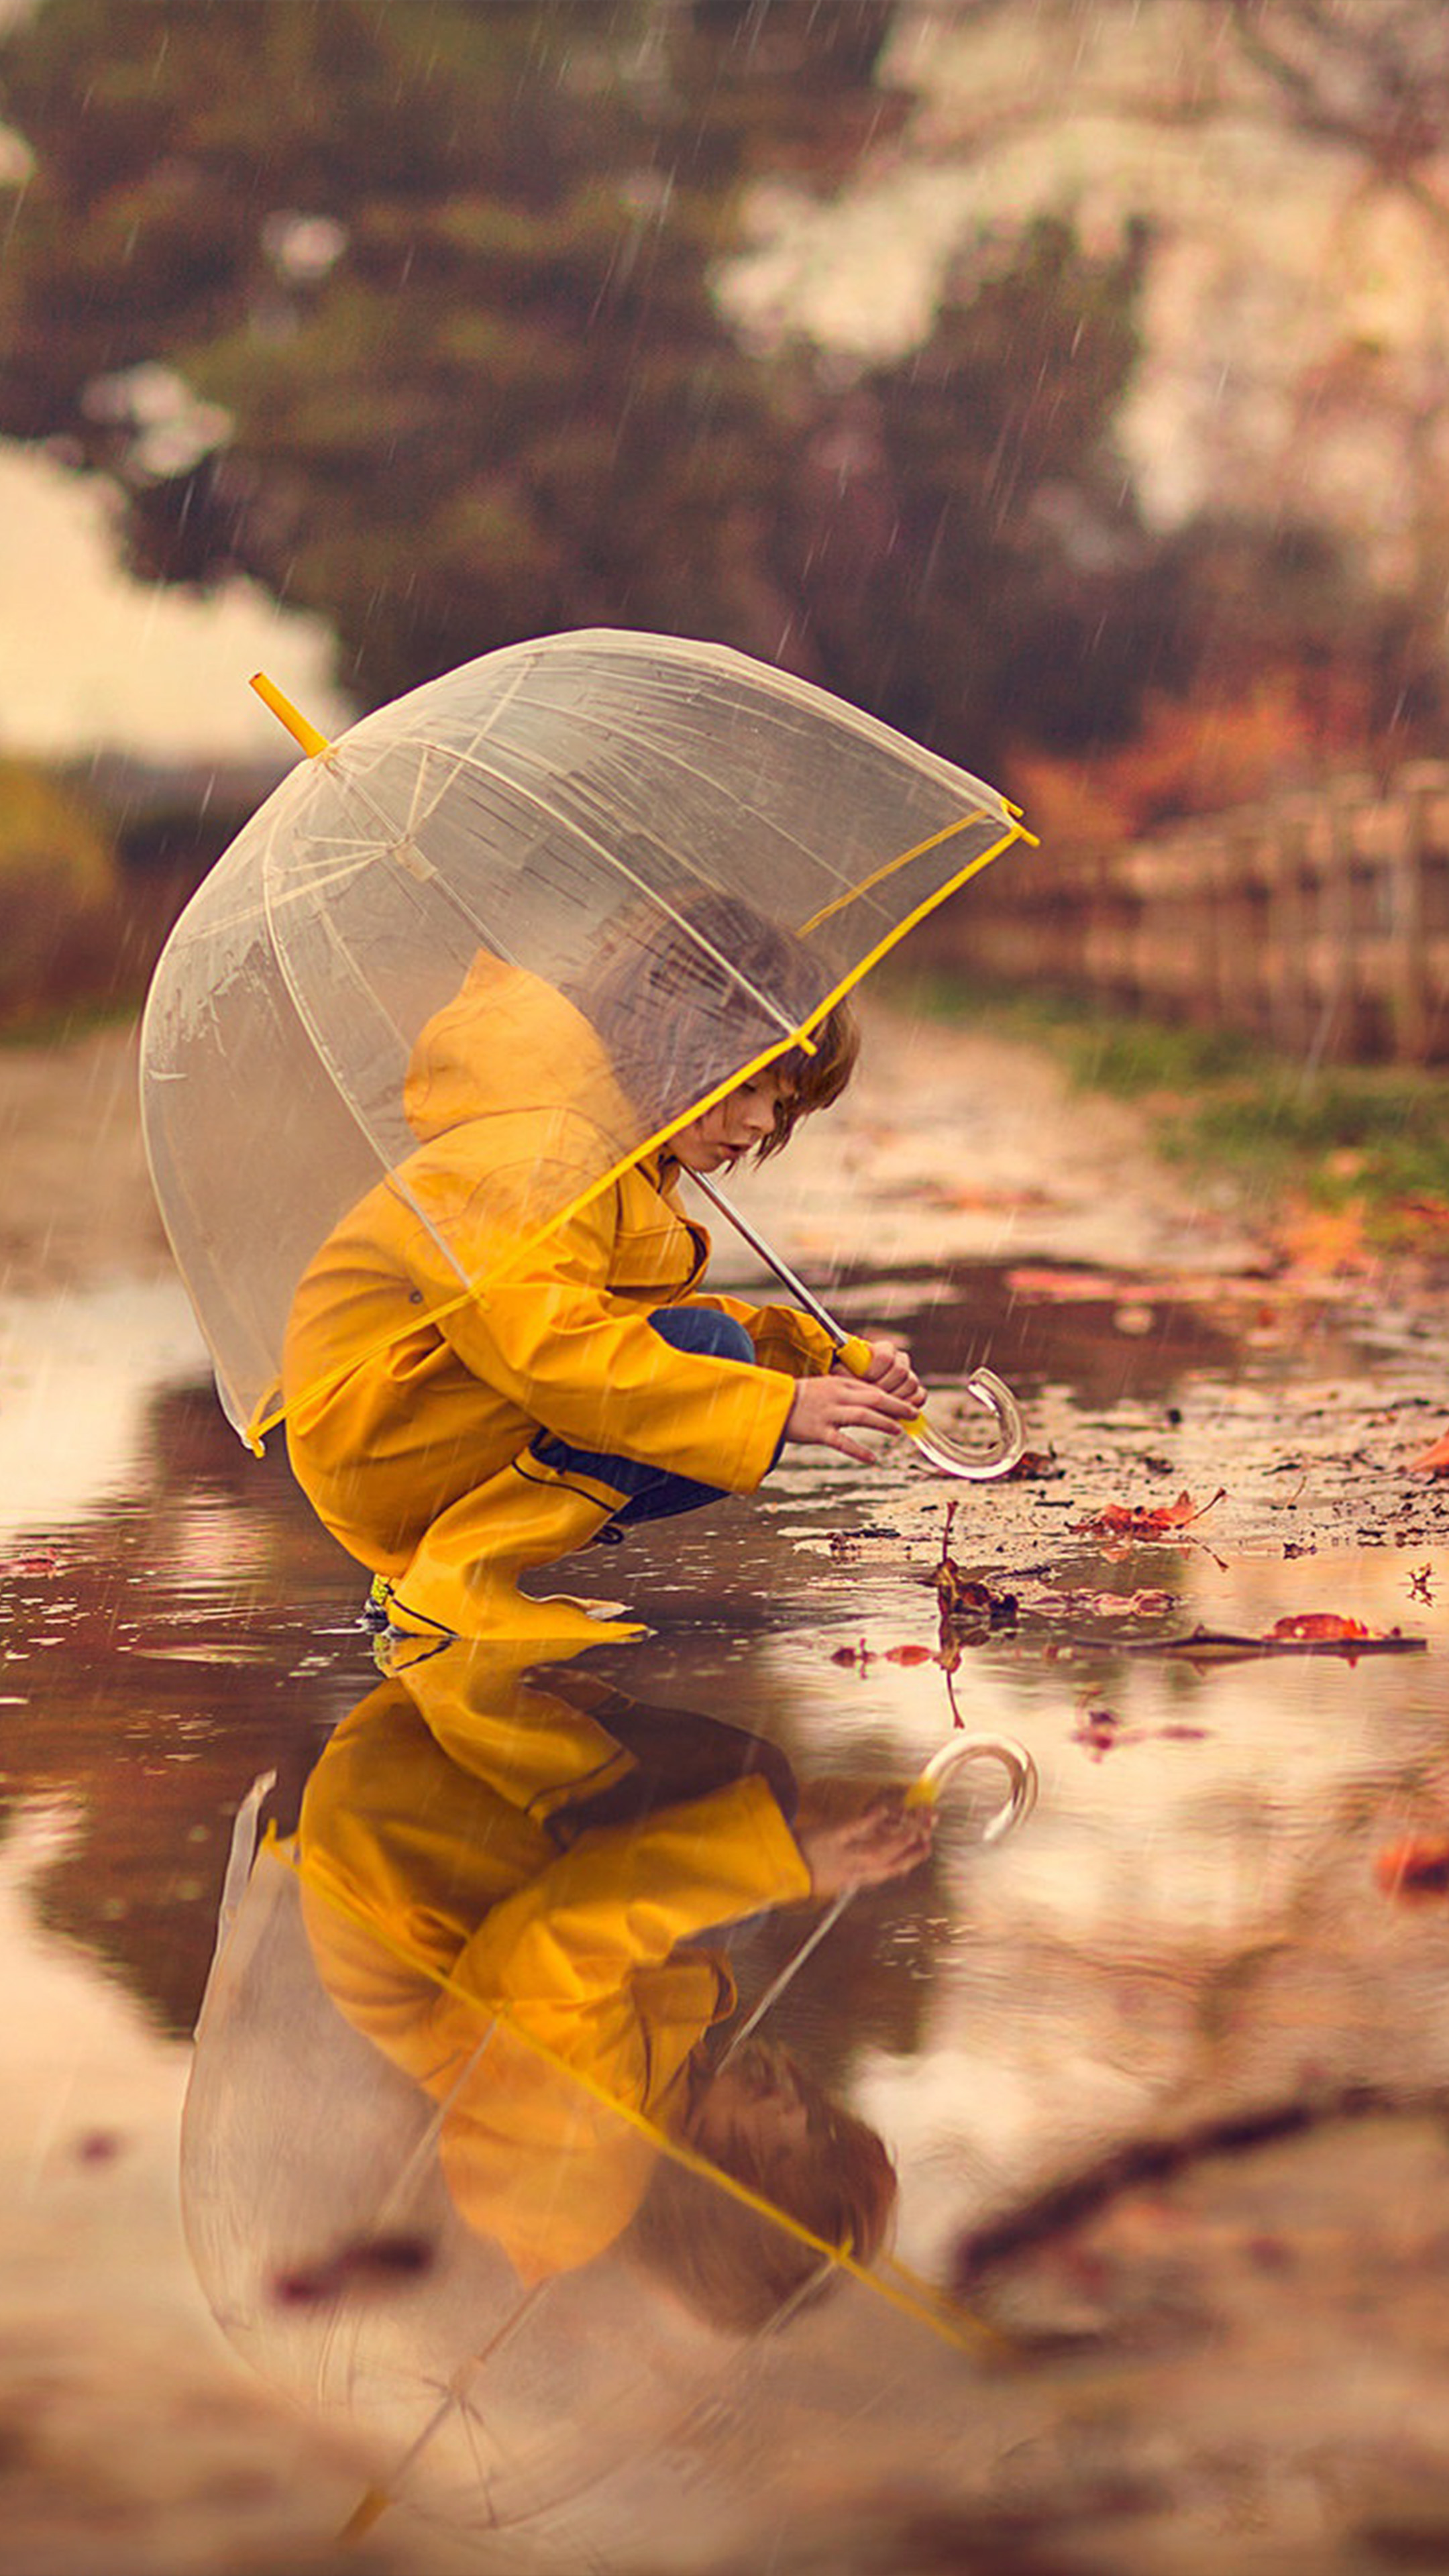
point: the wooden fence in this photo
(1319, 921)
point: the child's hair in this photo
(664, 993)
(737, 2266)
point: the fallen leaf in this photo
(1328, 1241)
(1434, 1462)
(1315, 1624)
(1416, 1865)
(1098, 1730)
(962, 1601)
(1143, 1520)
(1421, 1212)
(911, 1655)
(973, 1603)
(953, 1194)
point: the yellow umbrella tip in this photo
(313, 743)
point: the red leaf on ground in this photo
(911, 1655)
(1416, 1865)
(1143, 1520)
(1434, 1462)
(1317, 1623)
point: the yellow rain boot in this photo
(463, 1578)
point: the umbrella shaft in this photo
(781, 1269)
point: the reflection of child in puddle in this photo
(524, 1898)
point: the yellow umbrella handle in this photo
(984, 1388)
(925, 1790)
(936, 1447)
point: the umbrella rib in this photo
(397, 2197)
(334, 1071)
(393, 843)
(993, 807)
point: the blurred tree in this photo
(1287, 416)
(1373, 78)
(406, 311)
(973, 566)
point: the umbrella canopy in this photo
(575, 889)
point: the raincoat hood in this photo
(509, 1041)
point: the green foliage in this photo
(1376, 1136)
(441, 277)
(1370, 1133)
(494, 397)
(976, 571)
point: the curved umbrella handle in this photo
(937, 1447)
(925, 1791)
(928, 1786)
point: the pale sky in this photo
(91, 659)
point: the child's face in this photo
(734, 1126)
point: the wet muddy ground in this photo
(1165, 2075)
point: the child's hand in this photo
(890, 1367)
(881, 1841)
(827, 1410)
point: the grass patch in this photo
(1376, 1136)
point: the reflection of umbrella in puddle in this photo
(563, 817)
(433, 2195)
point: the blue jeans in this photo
(656, 1493)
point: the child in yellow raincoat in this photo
(520, 1885)
(454, 1443)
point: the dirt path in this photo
(949, 1145)
(76, 1206)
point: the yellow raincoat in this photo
(403, 1396)
(437, 1899)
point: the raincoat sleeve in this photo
(552, 1339)
(783, 1338)
(623, 1899)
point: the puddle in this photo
(1162, 2073)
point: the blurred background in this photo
(1063, 383)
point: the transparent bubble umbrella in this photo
(616, 872)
